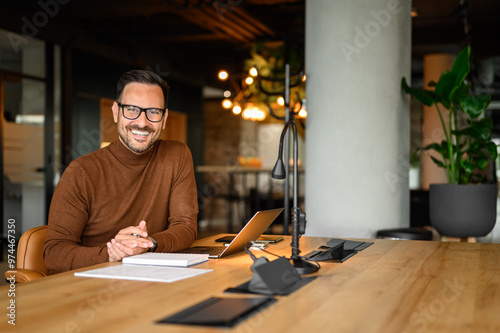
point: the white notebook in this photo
(143, 273)
(166, 259)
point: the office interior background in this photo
(60, 60)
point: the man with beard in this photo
(136, 195)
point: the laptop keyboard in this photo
(210, 250)
(213, 249)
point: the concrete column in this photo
(358, 125)
(432, 130)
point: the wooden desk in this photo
(391, 286)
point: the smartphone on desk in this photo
(261, 239)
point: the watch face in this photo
(155, 245)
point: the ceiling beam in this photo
(198, 17)
(251, 21)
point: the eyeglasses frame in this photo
(122, 106)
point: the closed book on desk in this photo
(166, 259)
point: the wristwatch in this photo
(155, 245)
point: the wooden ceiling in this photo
(161, 22)
(191, 37)
(194, 38)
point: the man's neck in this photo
(126, 146)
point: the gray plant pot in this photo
(463, 210)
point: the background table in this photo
(241, 186)
(391, 286)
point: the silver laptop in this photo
(250, 232)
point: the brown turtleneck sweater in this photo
(112, 188)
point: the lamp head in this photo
(279, 170)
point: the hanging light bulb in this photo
(226, 103)
(222, 75)
(261, 115)
(253, 113)
(414, 12)
(249, 80)
(280, 101)
(227, 93)
(253, 72)
(245, 114)
(236, 109)
(302, 112)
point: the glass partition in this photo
(24, 89)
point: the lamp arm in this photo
(295, 162)
(283, 133)
(298, 217)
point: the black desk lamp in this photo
(298, 217)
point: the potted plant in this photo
(461, 208)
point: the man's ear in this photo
(165, 116)
(115, 110)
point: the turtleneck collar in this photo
(127, 157)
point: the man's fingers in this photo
(142, 225)
(125, 251)
(113, 255)
(125, 244)
(133, 230)
(136, 242)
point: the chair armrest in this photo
(23, 275)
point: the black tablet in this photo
(219, 312)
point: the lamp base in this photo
(303, 266)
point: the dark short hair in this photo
(144, 77)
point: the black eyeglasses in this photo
(132, 112)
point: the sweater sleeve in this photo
(68, 217)
(183, 208)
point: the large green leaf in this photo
(434, 146)
(468, 167)
(453, 81)
(445, 86)
(491, 147)
(460, 92)
(438, 162)
(444, 149)
(461, 66)
(481, 162)
(425, 97)
(478, 129)
(482, 150)
(477, 152)
(475, 105)
(476, 145)
(483, 126)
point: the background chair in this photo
(420, 221)
(30, 263)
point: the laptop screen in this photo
(252, 230)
